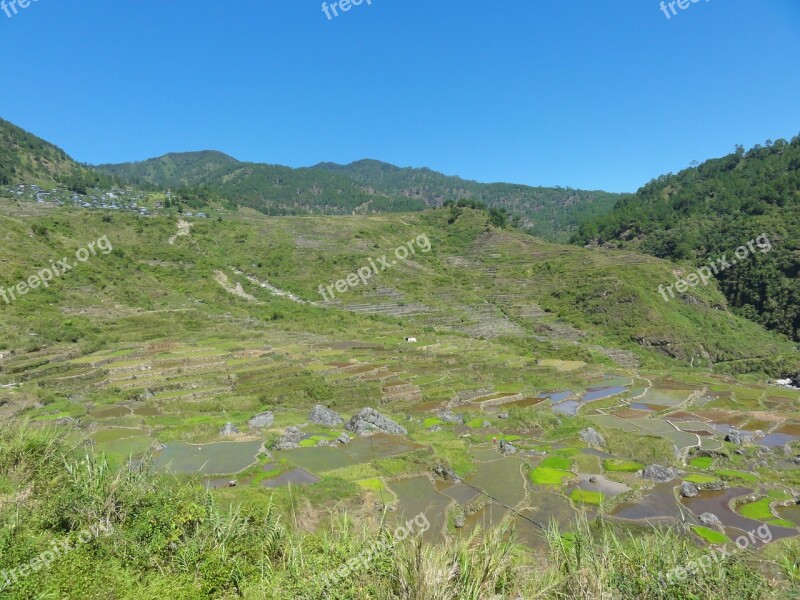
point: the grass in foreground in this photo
(173, 539)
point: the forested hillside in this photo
(707, 211)
(363, 186)
(25, 158)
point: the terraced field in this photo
(519, 351)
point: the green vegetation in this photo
(557, 462)
(697, 478)
(622, 466)
(712, 536)
(761, 511)
(708, 211)
(701, 462)
(549, 476)
(740, 475)
(586, 497)
(146, 353)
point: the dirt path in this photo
(236, 290)
(183, 229)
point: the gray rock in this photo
(459, 521)
(659, 473)
(262, 420)
(228, 429)
(449, 417)
(734, 437)
(593, 479)
(486, 424)
(689, 490)
(321, 415)
(343, 439)
(434, 428)
(445, 473)
(714, 486)
(502, 415)
(710, 519)
(592, 437)
(158, 447)
(290, 439)
(368, 420)
(506, 448)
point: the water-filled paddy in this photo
(502, 480)
(774, 440)
(379, 445)
(318, 459)
(112, 412)
(218, 458)
(295, 476)
(658, 503)
(417, 495)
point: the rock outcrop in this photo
(228, 429)
(262, 420)
(321, 415)
(659, 473)
(290, 439)
(369, 420)
(593, 438)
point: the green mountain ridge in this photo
(708, 211)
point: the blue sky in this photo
(585, 93)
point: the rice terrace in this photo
(363, 381)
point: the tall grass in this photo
(172, 538)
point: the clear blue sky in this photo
(583, 93)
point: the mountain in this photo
(705, 213)
(551, 213)
(25, 158)
(363, 186)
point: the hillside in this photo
(363, 186)
(25, 158)
(551, 213)
(192, 350)
(708, 211)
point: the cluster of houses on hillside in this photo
(114, 199)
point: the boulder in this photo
(262, 420)
(659, 473)
(734, 437)
(228, 429)
(506, 448)
(449, 417)
(502, 415)
(459, 521)
(689, 490)
(592, 437)
(321, 415)
(368, 420)
(710, 519)
(343, 439)
(290, 439)
(445, 473)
